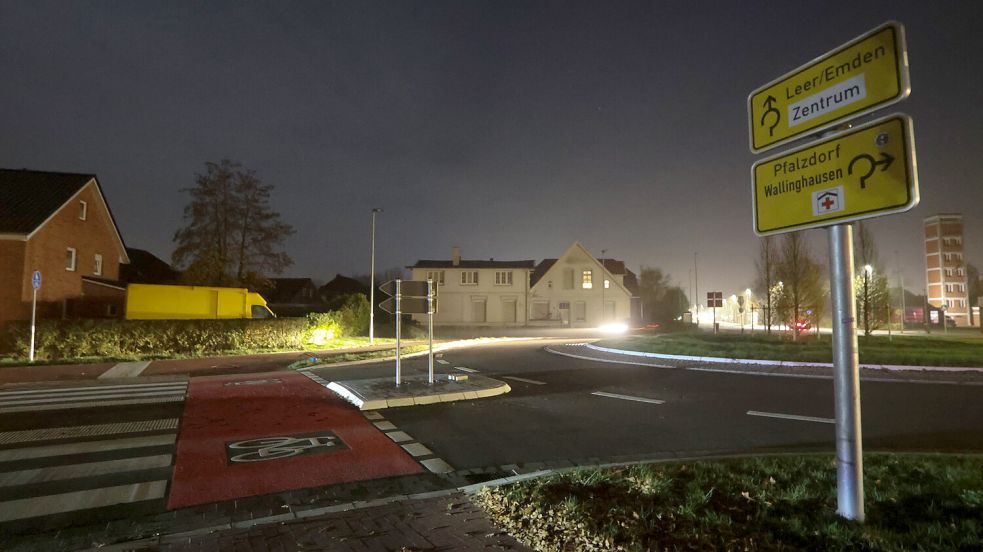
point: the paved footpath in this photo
(443, 523)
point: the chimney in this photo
(455, 255)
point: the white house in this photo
(567, 291)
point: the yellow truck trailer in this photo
(158, 302)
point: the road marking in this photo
(436, 465)
(384, 425)
(86, 446)
(442, 361)
(524, 380)
(627, 397)
(125, 370)
(466, 369)
(74, 397)
(416, 449)
(372, 415)
(84, 470)
(791, 417)
(399, 436)
(69, 432)
(93, 388)
(68, 502)
(69, 406)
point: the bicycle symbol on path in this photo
(273, 448)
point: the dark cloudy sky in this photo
(507, 128)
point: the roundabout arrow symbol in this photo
(884, 163)
(770, 108)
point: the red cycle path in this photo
(216, 413)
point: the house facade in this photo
(945, 267)
(573, 290)
(58, 224)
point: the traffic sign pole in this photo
(34, 309)
(846, 376)
(398, 323)
(430, 323)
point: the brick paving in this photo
(450, 522)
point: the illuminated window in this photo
(587, 279)
(70, 259)
(469, 278)
(98, 267)
(437, 276)
(83, 210)
(503, 278)
(607, 284)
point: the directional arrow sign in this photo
(865, 172)
(407, 288)
(865, 74)
(408, 305)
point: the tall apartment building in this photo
(945, 267)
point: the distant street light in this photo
(868, 272)
(372, 283)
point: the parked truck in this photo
(158, 302)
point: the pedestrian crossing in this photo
(118, 458)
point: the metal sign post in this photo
(398, 323)
(430, 323)
(36, 284)
(846, 375)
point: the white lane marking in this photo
(791, 417)
(384, 425)
(68, 432)
(125, 370)
(86, 446)
(80, 500)
(399, 436)
(70, 406)
(466, 369)
(94, 388)
(78, 398)
(416, 449)
(442, 361)
(627, 397)
(524, 380)
(88, 469)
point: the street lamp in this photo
(868, 271)
(604, 281)
(748, 308)
(372, 282)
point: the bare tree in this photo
(870, 282)
(766, 265)
(231, 234)
(801, 279)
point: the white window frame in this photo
(469, 277)
(70, 267)
(503, 277)
(98, 265)
(586, 278)
(83, 210)
(437, 276)
(607, 284)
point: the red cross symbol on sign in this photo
(827, 203)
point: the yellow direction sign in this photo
(862, 173)
(865, 74)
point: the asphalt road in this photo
(558, 418)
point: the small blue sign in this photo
(36, 279)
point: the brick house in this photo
(61, 225)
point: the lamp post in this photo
(604, 280)
(868, 271)
(372, 282)
(747, 307)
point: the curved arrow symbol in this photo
(770, 108)
(885, 162)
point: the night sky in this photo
(510, 129)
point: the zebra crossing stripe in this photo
(80, 500)
(74, 397)
(125, 370)
(85, 447)
(86, 469)
(70, 432)
(69, 406)
(93, 388)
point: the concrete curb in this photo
(380, 404)
(788, 363)
(459, 344)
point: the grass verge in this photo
(901, 350)
(913, 502)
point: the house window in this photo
(579, 311)
(112, 310)
(607, 284)
(83, 210)
(948, 272)
(70, 259)
(469, 278)
(587, 279)
(959, 272)
(567, 278)
(437, 276)
(98, 267)
(540, 310)
(503, 278)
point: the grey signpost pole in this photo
(372, 283)
(430, 323)
(398, 324)
(34, 309)
(846, 376)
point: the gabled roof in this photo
(545, 266)
(28, 199)
(342, 285)
(147, 268)
(285, 290)
(541, 270)
(473, 264)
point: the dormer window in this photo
(83, 210)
